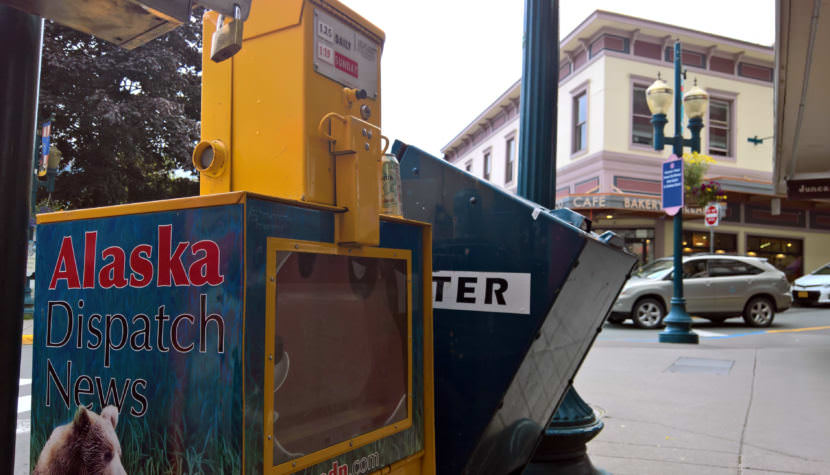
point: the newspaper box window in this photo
(341, 369)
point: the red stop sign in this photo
(711, 215)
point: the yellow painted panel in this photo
(276, 102)
(216, 107)
(268, 16)
(145, 207)
(268, 139)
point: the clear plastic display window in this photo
(341, 358)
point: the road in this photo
(795, 319)
(767, 409)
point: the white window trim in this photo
(514, 168)
(583, 88)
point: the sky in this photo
(445, 61)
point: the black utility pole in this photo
(538, 102)
(21, 36)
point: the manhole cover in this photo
(701, 365)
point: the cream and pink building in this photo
(607, 168)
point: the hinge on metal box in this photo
(356, 145)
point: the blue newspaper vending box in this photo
(228, 334)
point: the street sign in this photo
(808, 189)
(711, 215)
(673, 185)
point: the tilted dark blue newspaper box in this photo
(519, 294)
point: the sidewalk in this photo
(768, 413)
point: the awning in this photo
(801, 164)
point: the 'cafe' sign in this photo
(618, 201)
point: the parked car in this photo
(813, 287)
(715, 286)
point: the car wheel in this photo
(648, 313)
(759, 312)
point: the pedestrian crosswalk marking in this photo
(705, 333)
(24, 404)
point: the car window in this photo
(695, 269)
(654, 270)
(730, 267)
(823, 271)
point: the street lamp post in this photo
(659, 97)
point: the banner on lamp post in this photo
(672, 185)
(45, 137)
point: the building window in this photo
(698, 241)
(641, 130)
(722, 65)
(688, 58)
(785, 254)
(720, 126)
(609, 42)
(469, 166)
(509, 159)
(761, 73)
(646, 49)
(564, 71)
(580, 120)
(488, 165)
(580, 59)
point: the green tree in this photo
(125, 120)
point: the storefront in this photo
(786, 254)
(638, 241)
(795, 240)
(701, 241)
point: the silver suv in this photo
(715, 286)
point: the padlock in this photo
(227, 39)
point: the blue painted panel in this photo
(138, 322)
(266, 219)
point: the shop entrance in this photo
(639, 242)
(784, 253)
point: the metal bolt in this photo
(350, 443)
(369, 134)
(415, 171)
(366, 146)
(365, 112)
(271, 279)
(473, 200)
(363, 132)
(270, 357)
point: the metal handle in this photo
(323, 121)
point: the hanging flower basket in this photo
(700, 192)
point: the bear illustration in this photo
(87, 445)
